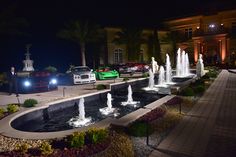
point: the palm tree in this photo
(81, 32)
(132, 38)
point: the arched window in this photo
(118, 56)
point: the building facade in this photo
(212, 35)
(117, 53)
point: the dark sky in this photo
(47, 17)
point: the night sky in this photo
(46, 18)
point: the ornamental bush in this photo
(11, 108)
(2, 110)
(101, 87)
(139, 129)
(23, 148)
(30, 103)
(77, 139)
(188, 91)
(125, 79)
(199, 89)
(46, 148)
(96, 135)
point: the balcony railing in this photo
(201, 32)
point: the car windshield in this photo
(81, 69)
(104, 69)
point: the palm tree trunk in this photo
(82, 49)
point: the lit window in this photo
(118, 57)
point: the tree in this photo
(173, 38)
(81, 32)
(154, 47)
(132, 38)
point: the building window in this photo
(188, 33)
(118, 56)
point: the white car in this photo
(82, 75)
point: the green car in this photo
(103, 73)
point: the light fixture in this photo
(212, 26)
(222, 24)
(198, 27)
(27, 83)
(54, 81)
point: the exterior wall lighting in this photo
(212, 26)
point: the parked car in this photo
(36, 81)
(132, 67)
(103, 73)
(81, 75)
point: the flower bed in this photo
(78, 144)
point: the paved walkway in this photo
(209, 128)
(69, 91)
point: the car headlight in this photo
(27, 83)
(53, 81)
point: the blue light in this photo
(27, 83)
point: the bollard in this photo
(63, 91)
(18, 100)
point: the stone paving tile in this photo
(192, 134)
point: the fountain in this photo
(130, 99)
(200, 66)
(182, 67)
(80, 120)
(168, 70)
(151, 82)
(151, 79)
(108, 110)
(154, 66)
(161, 79)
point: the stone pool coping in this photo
(7, 130)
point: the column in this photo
(223, 50)
(196, 50)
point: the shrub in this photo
(199, 89)
(188, 91)
(139, 129)
(23, 148)
(206, 77)
(3, 78)
(121, 146)
(51, 69)
(30, 103)
(101, 87)
(125, 79)
(2, 110)
(96, 135)
(145, 75)
(198, 82)
(46, 148)
(11, 108)
(77, 139)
